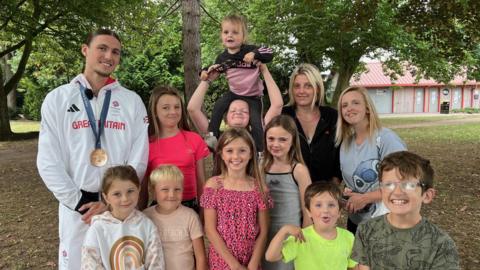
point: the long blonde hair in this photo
(314, 77)
(294, 153)
(345, 131)
(154, 128)
(227, 137)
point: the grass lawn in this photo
(24, 126)
(387, 120)
(462, 133)
(453, 150)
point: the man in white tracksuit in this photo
(68, 146)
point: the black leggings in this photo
(352, 227)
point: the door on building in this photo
(433, 100)
(419, 99)
(476, 98)
(467, 101)
(382, 98)
(456, 98)
(403, 98)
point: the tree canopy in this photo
(437, 38)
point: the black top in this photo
(263, 54)
(321, 156)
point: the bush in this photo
(466, 110)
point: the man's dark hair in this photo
(99, 32)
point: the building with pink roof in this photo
(404, 95)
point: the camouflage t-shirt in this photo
(379, 245)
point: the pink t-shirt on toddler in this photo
(182, 150)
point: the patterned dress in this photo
(236, 221)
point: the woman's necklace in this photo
(309, 121)
(309, 117)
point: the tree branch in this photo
(7, 20)
(33, 35)
(172, 8)
(233, 6)
(12, 83)
(206, 12)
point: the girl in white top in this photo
(123, 237)
(179, 226)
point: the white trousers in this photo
(72, 231)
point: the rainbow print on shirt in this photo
(127, 253)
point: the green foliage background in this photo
(439, 37)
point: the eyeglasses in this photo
(406, 186)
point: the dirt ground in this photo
(28, 211)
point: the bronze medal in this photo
(98, 157)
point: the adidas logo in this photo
(73, 108)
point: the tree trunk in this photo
(7, 86)
(344, 74)
(5, 130)
(7, 74)
(191, 44)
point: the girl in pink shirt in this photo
(172, 142)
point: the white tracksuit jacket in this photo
(66, 141)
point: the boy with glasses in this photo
(403, 239)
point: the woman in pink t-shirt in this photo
(172, 142)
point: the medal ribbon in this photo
(91, 117)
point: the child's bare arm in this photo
(200, 170)
(261, 241)
(200, 255)
(302, 177)
(274, 251)
(194, 108)
(274, 94)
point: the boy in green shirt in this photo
(318, 246)
(403, 239)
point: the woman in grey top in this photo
(364, 143)
(287, 178)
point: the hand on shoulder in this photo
(213, 182)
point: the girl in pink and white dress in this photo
(236, 205)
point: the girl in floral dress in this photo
(236, 205)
